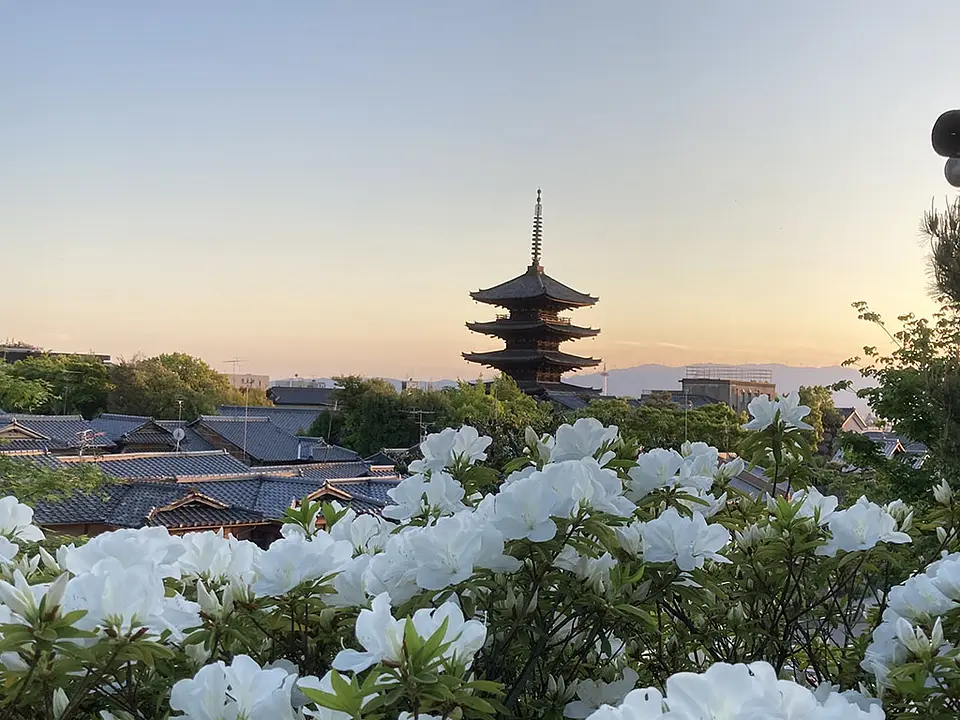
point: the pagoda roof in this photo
(532, 285)
(499, 358)
(504, 326)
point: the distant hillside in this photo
(634, 381)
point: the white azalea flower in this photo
(687, 541)
(592, 694)
(16, 521)
(581, 440)
(239, 690)
(288, 562)
(151, 547)
(380, 635)
(655, 469)
(861, 527)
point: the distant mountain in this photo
(632, 382)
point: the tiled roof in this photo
(292, 419)
(19, 444)
(196, 514)
(64, 430)
(530, 286)
(114, 426)
(191, 442)
(312, 396)
(375, 489)
(380, 458)
(322, 452)
(320, 471)
(263, 441)
(246, 500)
(166, 464)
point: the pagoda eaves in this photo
(533, 331)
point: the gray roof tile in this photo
(167, 465)
(64, 430)
(302, 396)
(291, 419)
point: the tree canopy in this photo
(156, 386)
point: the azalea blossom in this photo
(16, 521)
(655, 469)
(592, 694)
(239, 690)
(764, 411)
(380, 635)
(150, 547)
(444, 449)
(861, 527)
(687, 541)
(294, 560)
(582, 440)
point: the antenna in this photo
(179, 434)
(420, 421)
(246, 411)
(604, 375)
(536, 244)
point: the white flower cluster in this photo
(751, 692)
(919, 601)
(862, 526)
(785, 409)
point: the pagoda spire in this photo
(537, 243)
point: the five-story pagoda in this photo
(533, 329)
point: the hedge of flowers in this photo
(588, 579)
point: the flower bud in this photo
(60, 702)
(936, 636)
(207, 600)
(914, 640)
(942, 493)
(55, 592)
(48, 560)
(941, 534)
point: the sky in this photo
(316, 187)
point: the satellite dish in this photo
(179, 434)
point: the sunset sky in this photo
(315, 187)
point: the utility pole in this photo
(418, 414)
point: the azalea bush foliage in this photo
(589, 578)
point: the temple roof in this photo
(532, 285)
(504, 326)
(530, 357)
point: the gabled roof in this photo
(259, 438)
(160, 465)
(302, 396)
(196, 510)
(533, 285)
(380, 459)
(191, 441)
(212, 503)
(65, 431)
(292, 419)
(114, 426)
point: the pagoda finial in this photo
(537, 233)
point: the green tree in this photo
(500, 410)
(824, 417)
(372, 415)
(918, 383)
(30, 483)
(668, 425)
(156, 386)
(20, 395)
(78, 384)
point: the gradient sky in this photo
(315, 187)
